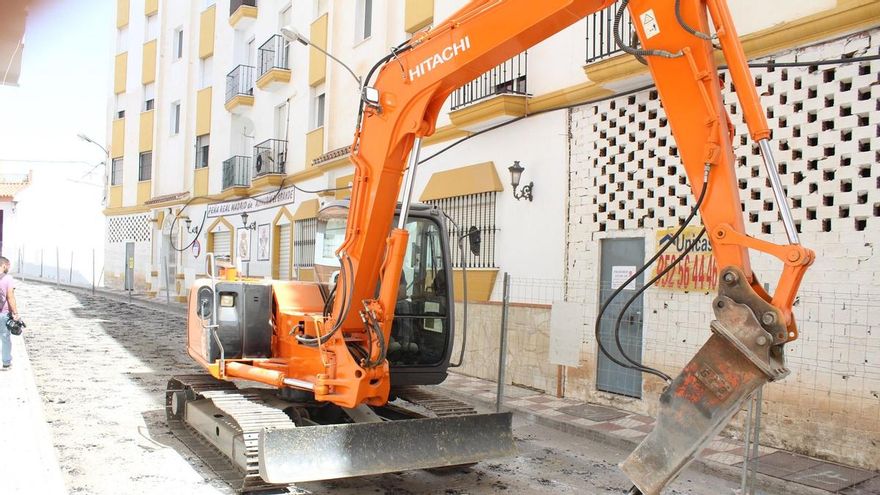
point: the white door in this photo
(284, 252)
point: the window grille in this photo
(145, 166)
(304, 243)
(471, 210)
(116, 172)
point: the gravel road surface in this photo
(101, 367)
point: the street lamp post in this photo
(106, 162)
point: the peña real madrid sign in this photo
(264, 201)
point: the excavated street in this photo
(101, 367)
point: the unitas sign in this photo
(697, 271)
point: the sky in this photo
(64, 86)
(63, 90)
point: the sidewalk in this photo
(27, 455)
(783, 472)
(138, 298)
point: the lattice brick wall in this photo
(129, 228)
(826, 122)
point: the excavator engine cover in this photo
(243, 325)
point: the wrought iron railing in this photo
(235, 4)
(600, 34)
(240, 81)
(471, 211)
(237, 172)
(269, 157)
(509, 77)
(274, 54)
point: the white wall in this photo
(530, 236)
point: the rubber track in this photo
(249, 413)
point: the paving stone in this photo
(781, 464)
(870, 487)
(831, 477)
(593, 412)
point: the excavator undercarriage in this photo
(255, 440)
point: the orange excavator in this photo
(339, 362)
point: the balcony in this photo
(606, 62)
(242, 13)
(270, 158)
(274, 59)
(497, 96)
(600, 34)
(240, 89)
(237, 173)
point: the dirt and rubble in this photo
(101, 367)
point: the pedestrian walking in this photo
(9, 310)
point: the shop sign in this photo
(698, 271)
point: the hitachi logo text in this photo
(445, 55)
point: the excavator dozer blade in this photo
(299, 454)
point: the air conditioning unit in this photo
(263, 162)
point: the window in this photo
(151, 31)
(116, 172)
(122, 39)
(281, 121)
(304, 243)
(318, 111)
(364, 15)
(145, 166)
(149, 96)
(203, 145)
(178, 43)
(284, 18)
(120, 114)
(175, 118)
(205, 69)
(473, 213)
(320, 8)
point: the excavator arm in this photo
(401, 107)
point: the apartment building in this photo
(214, 118)
(213, 111)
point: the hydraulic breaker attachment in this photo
(299, 454)
(741, 355)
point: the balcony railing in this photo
(274, 54)
(240, 81)
(237, 172)
(509, 77)
(269, 157)
(235, 4)
(600, 34)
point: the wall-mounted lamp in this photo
(516, 171)
(252, 226)
(189, 228)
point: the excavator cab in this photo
(424, 319)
